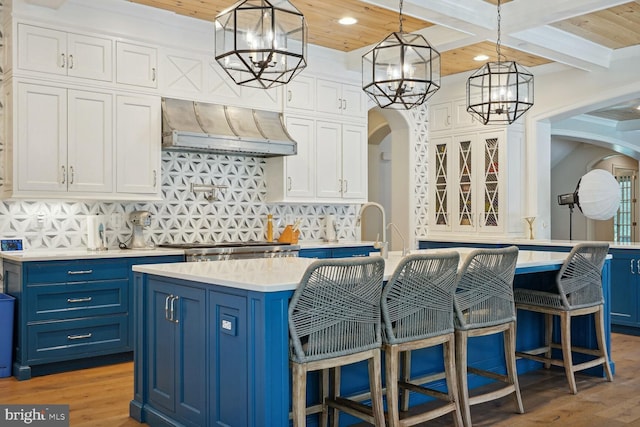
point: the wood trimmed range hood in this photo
(219, 129)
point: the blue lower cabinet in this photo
(176, 380)
(208, 355)
(72, 314)
(342, 252)
(625, 275)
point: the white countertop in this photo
(81, 253)
(283, 274)
(321, 244)
(521, 241)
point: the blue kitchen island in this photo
(211, 339)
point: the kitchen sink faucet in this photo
(405, 250)
(382, 245)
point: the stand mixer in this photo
(139, 220)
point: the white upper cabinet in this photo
(293, 178)
(341, 161)
(451, 116)
(41, 149)
(90, 142)
(300, 94)
(340, 98)
(136, 65)
(65, 54)
(70, 148)
(138, 145)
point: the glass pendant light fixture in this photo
(261, 43)
(402, 71)
(499, 92)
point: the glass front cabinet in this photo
(474, 188)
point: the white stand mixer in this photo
(140, 219)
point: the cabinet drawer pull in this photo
(289, 184)
(166, 307)
(344, 104)
(70, 272)
(79, 337)
(173, 309)
(70, 61)
(339, 104)
(153, 74)
(155, 178)
(631, 266)
(638, 265)
(289, 95)
(77, 300)
(64, 175)
(64, 61)
(72, 173)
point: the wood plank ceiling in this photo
(613, 28)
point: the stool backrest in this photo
(335, 310)
(484, 296)
(417, 301)
(580, 277)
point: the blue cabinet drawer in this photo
(77, 338)
(75, 271)
(66, 301)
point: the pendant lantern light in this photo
(261, 43)
(402, 71)
(499, 92)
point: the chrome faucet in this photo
(382, 245)
(405, 250)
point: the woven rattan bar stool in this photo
(578, 293)
(417, 312)
(334, 320)
(484, 305)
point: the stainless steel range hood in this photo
(219, 129)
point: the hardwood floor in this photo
(100, 396)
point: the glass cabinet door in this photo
(441, 177)
(465, 214)
(491, 207)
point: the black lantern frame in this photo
(261, 43)
(500, 91)
(402, 71)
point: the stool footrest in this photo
(351, 407)
(496, 394)
(424, 390)
(489, 374)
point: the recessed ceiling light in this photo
(347, 20)
(481, 58)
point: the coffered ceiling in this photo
(581, 34)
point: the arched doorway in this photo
(390, 182)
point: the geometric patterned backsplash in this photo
(182, 216)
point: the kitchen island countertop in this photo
(282, 274)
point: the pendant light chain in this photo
(498, 41)
(401, 3)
